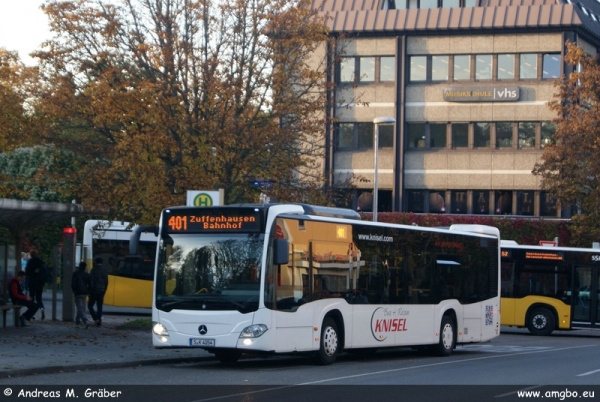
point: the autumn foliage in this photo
(152, 98)
(571, 165)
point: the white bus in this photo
(292, 278)
(129, 284)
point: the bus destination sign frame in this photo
(205, 220)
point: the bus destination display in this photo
(212, 221)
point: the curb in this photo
(99, 366)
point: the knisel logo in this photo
(202, 330)
(386, 321)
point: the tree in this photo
(570, 167)
(36, 174)
(156, 97)
(12, 110)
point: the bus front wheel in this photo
(447, 337)
(329, 342)
(540, 321)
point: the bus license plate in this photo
(202, 342)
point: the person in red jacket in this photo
(15, 286)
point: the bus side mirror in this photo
(280, 252)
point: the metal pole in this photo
(376, 122)
(375, 173)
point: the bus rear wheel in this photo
(228, 356)
(329, 342)
(447, 337)
(540, 321)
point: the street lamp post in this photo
(377, 121)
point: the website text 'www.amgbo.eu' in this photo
(560, 395)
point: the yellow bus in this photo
(547, 288)
(129, 283)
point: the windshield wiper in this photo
(168, 306)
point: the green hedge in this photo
(523, 231)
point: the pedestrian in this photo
(35, 271)
(99, 285)
(81, 284)
(24, 258)
(18, 297)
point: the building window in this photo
(504, 135)
(416, 201)
(345, 137)
(526, 135)
(347, 69)
(367, 69)
(402, 4)
(525, 202)
(416, 135)
(386, 135)
(428, 4)
(528, 66)
(439, 68)
(483, 67)
(387, 69)
(437, 135)
(458, 202)
(481, 202)
(486, 67)
(450, 3)
(462, 67)
(418, 68)
(360, 136)
(551, 66)
(506, 66)
(547, 204)
(437, 204)
(503, 205)
(460, 135)
(548, 131)
(365, 135)
(481, 135)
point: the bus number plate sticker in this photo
(202, 342)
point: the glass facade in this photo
(506, 66)
(528, 66)
(483, 67)
(462, 67)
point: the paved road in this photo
(496, 371)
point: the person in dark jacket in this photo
(15, 287)
(35, 279)
(80, 284)
(99, 285)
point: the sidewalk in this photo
(51, 346)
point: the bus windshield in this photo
(209, 272)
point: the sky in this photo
(23, 27)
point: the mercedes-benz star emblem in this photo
(202, 329)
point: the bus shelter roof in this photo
(19, 216)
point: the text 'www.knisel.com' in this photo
(62, 393)
(556, 394)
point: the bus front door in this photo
(586, 309)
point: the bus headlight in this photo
(159, 329)
(253, 331)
